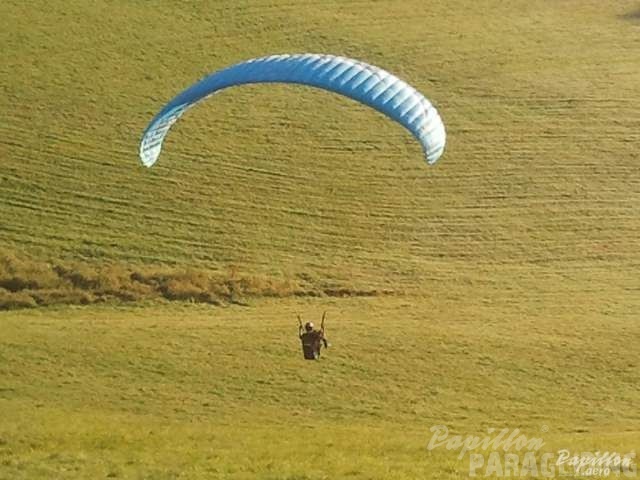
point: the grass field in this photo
(498, 288)
(200, 392)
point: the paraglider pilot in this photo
(312, 339)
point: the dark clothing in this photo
(312, 343)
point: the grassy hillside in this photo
(540, 100)
(203, 392)
(505, 278)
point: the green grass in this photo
(510, 269)
(540, 100)
(203, 392)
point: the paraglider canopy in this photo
(362, 82)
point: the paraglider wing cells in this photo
(354, 79)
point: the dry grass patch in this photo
(28, 283)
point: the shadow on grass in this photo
(632, 16)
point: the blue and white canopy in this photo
(354, 79)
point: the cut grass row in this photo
(25, 283)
